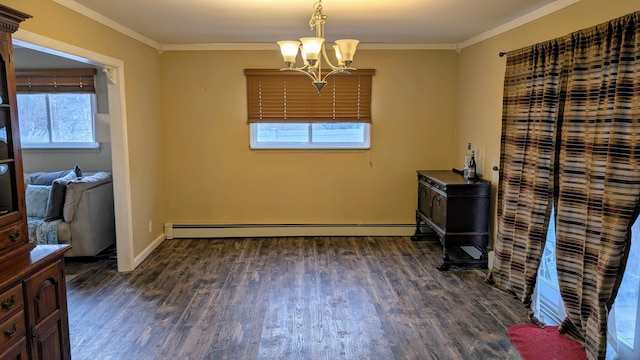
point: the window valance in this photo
(282, 96)
(55, 80)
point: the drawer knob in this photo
(9, 303)
(14, 235)
(10, 332)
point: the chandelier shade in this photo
(312, 50)
(289, 50)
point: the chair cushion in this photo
(55, 203)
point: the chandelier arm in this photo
(302, 70)
(326, 58)
(324, 79)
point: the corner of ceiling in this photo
(534, 15)
(458, 47)
(99, 18)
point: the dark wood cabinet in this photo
(457, 212)
(33, 304)
(14, 239)
(47, 312)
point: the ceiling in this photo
(183, 22)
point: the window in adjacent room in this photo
(286, 112)
(56, 108)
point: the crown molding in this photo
(83, 10)
(390, 46)
(534, 15)
(274, 46)
(220, 46)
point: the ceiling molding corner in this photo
(534, 15)
(83, 10)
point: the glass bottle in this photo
(472, 165)
(467, 162)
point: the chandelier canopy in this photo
(312, 47)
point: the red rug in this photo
(535, 343)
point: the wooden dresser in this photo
(33, 306)
(457, 212)
(33, 303)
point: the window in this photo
(56, 120)
(56, 107)
(310, 135)
(286, 112)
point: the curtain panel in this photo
(527, 160)
(593, 170)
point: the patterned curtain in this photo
(599, 177)
(527, 158)
(571, 130)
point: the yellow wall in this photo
(481, 75)
(142, 69)
(189, 159)
(213, 177)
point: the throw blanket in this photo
(43, 232)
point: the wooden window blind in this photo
(55, 80)
(287, 96)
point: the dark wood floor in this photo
(288, 298)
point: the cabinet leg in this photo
(484, 259)
(445, 264)
(418, 233)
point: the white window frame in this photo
(254, 143)
(65, 145)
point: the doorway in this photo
(114, 70)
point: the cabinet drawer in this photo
(16, 352)
(10, 302)
(12, 235)
(12, 330)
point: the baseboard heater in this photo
(194, 231)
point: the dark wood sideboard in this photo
(456, 211)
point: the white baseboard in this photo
(195, 231)
(148, 250)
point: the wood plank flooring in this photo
(288, 298)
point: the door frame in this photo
(114, 68)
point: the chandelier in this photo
(311, 47)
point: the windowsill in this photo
(63, 147)
(303, 149)
(307, 151)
